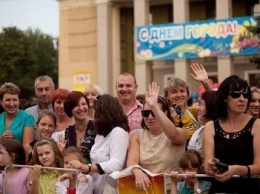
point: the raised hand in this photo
(151, 96)
(199, 72)
(61, 143)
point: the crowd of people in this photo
(70, 141)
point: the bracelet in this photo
(248, 171)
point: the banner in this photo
(211, 38)
(126, 181)
(126, 185)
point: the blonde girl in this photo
(45, 153)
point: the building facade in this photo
(97, 41)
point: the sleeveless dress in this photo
(158, 154)
(235, 148)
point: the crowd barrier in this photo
(126, 181)
(4, 180)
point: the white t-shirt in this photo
(196, 141)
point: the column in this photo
(116, 50)
(142, 68)
(104, 45)
(181, 14)
(257, 9)
(225, 63)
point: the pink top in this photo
(134, 116)
(18, 183)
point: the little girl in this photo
(14, 180)
(66, 183)
(46, 125)
(190, 164)
(45, 153)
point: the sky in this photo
(34, 14)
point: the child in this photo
(190, 164)
(15, 180)
(67, 182)
(45, 153)
(46, 125)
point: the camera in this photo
(177, 109)
(221, 166)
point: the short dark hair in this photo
(190, 157)
(108, 115)
(13, 146)
(72, 100)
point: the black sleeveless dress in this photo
(235, 148)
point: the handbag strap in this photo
(191, 116)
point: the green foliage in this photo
(256, 31)
(25, 55)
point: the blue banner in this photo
(209, 38)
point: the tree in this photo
(256, 31)
(25, 55)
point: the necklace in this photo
(80, 136)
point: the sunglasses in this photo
(237, 94)
(146, 113)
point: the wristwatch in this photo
(89, 169)
(198, 191)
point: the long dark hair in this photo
(14, 147)
(108, 115)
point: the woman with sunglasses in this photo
(233, 139)
(159, 145)
(254, 107)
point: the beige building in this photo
(97, 41)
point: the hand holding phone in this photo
(222, 167)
